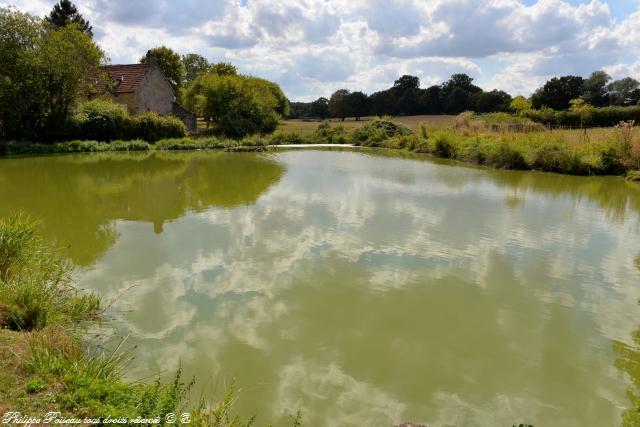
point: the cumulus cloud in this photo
(312, 47)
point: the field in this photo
(304, 127)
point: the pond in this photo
(365, 288)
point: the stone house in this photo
(139, 88)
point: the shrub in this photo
(444, 146)
(151, 127)
(376, 131)
(282, 138)
(327, 134)
(102, 120)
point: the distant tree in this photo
(407, 82)
(496, 100)
(339, 104)
(358, 105)
(460, 81)
(595, 89)
(431, 100)
(224, 69)
(520, 105)
(383, 103)
(558, 92)
(319, 108)
(170, 63)
(457, 101)
(65, 13)
(194, 65)
(624, 91)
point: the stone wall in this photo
(155, 94)
(188, 118)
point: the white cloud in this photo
(312, 47)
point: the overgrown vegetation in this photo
(48, 363)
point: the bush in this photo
(282, 138)
(151, 127)
(599, 117)
(376, 131)
(444, 146)
(101, 120)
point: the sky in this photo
(314, 47)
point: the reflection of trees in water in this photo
(79, 197)
(628, 361)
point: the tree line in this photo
(459, 94)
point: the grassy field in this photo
(413, 122)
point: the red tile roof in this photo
(124, 78)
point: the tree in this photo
(236, 105)
(43, 74)
(520, 105)
(319, 108)
(224, 69)
(431, 100)
(194, 65)
(460, 81)
(407, 82)
(496, 100)
(595, 89)
(339, 104)
(624, 91)
(457, 101)
(358, 105)
(583, 108)
(170, 63)
(65, 13)
(558, 92)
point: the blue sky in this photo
(313, 47)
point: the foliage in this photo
(42, 76)
(194, 65)
(520, 105)
(598, 117)
(152, 127)
(595, 89)
(558, 92)
(237, 105)
(339, 105)
(319, 108)
(64, 13)
(624, 91)
(582, 108)
(102, 120)
(170, 63)
(376, 131)
(224, 69)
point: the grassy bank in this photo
(48, 363)
(497, 140)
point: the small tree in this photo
(65, 13)
(520, 105)
(583, 108)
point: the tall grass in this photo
(35, 281)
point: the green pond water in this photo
(364, 288)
